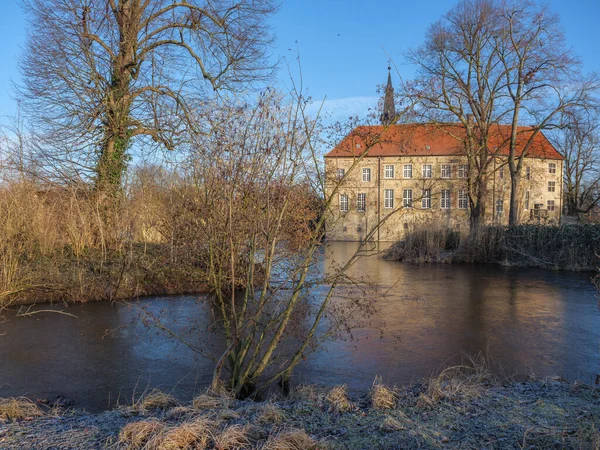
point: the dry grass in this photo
(337, 399)
(465, 381)
(211, 400)
(270, 413)
(64, 244)
(381, 396)
(188, 435)
(234, 437)
(291, 439)
(567, 247)
(18, 408)
(136, 435)
(156, 399)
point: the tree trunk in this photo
(113, 158)
(513, 215)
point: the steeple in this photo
(388, 115)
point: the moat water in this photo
(528, 321)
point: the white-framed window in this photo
(426, 199)
(528, 172)
(389, 171)
(551, 167)
(526, 200)
(407, 198)
(344, 202)
(366, 175)
(388, 198)
(550, 205)
(446, 170)
(463, 171)
(551, 186)
(445, 202)
(426, 170)
(463, 199)
(361, 202)
(499, 206)
(407, 171)
(340, 173)
(501, 173)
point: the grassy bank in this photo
(451, 411)
(567, 247)
(65, 244)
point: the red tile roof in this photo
(435, 140)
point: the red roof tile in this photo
(435, 140)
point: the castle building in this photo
(410, 175)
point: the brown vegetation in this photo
(567, 247)
(20, 408)
(56, 244)
(462, 407)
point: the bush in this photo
(567, 247)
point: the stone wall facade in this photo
(404, 192)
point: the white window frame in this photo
(463, 199)
(446, 171)
(361, 202)
(407, 170)
(388, 198)
(551, 167)
(526, 200)
(551, 186)
(344, 203)
(388, 171)
(340, 173)
(407, 198)
(426, 199)
(500, 207)
(553, 205)
(501, 173)
(426, 171)
(463, 171)
(366, 175)
(528, 172)
(445, 199)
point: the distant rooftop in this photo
(435, 140)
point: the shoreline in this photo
(457, 411)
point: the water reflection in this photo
(528, 320)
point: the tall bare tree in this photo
(579, 142)
(99, 74)
(543, 80)
(459, 80)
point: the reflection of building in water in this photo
(524, 320)
(420, 173)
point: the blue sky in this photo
(342, 43)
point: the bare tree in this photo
(543, 80)
(99, 74)
(579, 142)
(459, 80)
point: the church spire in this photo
(388, 115)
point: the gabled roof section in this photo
(435, 140)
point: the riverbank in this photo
(446, 412)
(566, 247)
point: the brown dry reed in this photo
(18, 408)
